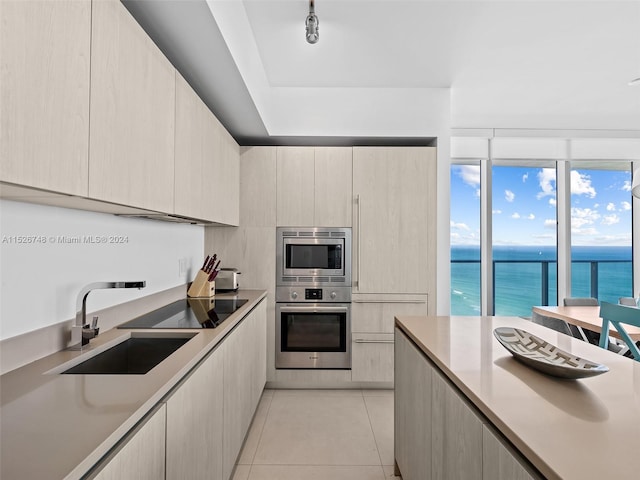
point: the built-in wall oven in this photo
(313, 298)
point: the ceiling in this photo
(402, 71)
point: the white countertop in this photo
(58, 426)
(568, 429)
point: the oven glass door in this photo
(313, 336)
(313, 256)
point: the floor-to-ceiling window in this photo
(558, 220)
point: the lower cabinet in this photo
(372, 320)
(140, 455)
(438, 433)
(194, 422)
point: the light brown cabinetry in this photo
(206, 162)
(194, 422)
(131, 148)
(394, 223)
(140, 455)
(439, 433)
(314, 186)
(44, 93)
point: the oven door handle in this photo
(293, 307)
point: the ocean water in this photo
(519, 277)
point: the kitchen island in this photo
(465, 408)
(64, 426)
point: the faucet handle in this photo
(94, 322)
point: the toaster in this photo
(227, 280)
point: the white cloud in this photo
(550, 223)
(470, 174)
(625, 206)
(496, 212)
(552, 202)
(627, 186)
(509, 195)
(584, 232)
(611, 207)
(531, 216)
(525, 177)
(583, 216)
(459, 226)
(610, 219)
(547, 180)
(581, 184)
(516, 215)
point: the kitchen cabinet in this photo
(412, 411)
(372, 323)
(244, 370)
(439, 433)
(500, 461)
(394, 219)
(140, 455)
(258, 189)
(44, 93)
(194, 422)
(206, 162)
(132, 118)
(314, 186)
(456, 436)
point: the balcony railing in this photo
(616, 286)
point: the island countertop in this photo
(58, 426)
(568, 429)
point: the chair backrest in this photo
(617, 315)
(628, 301)
(580, 301)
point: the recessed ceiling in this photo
(404, 69)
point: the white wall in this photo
(40, 281)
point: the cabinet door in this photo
(44, 93)
(258, 188)
(131, 150)
(192, 151)
(412, 411)
(500, 461)
(376, 313)
(333, 186)
(372, 357)
(456, 434)
(295, 186)
(194, 422)
(223, 184)
(393, 187)
(141, 455)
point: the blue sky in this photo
(524, 211)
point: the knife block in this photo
(201, 287)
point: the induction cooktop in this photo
(188, 313)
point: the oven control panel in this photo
(313, 294)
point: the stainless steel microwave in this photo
(313, 256)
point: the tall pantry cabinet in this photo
(394, 247)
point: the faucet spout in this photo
(81, 332)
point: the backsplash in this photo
(47, 254)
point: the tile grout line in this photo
(373, 432)
(266, 416)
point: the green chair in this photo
(617, 315)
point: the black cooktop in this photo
(188, 313)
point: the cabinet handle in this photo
(417, 302)
(357, 282)
(362, 340)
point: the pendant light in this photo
(312, 25)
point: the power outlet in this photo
(182, 267)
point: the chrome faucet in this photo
(81, 332)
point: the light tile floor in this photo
(320, 435)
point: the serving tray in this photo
(545, 357)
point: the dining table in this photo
(584, 317)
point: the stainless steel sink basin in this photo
(135, 355)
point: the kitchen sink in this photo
(135, 355)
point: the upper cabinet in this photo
(44, 93)
(206, 162)
(314, 186)
(394, 242)
(131, 147)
